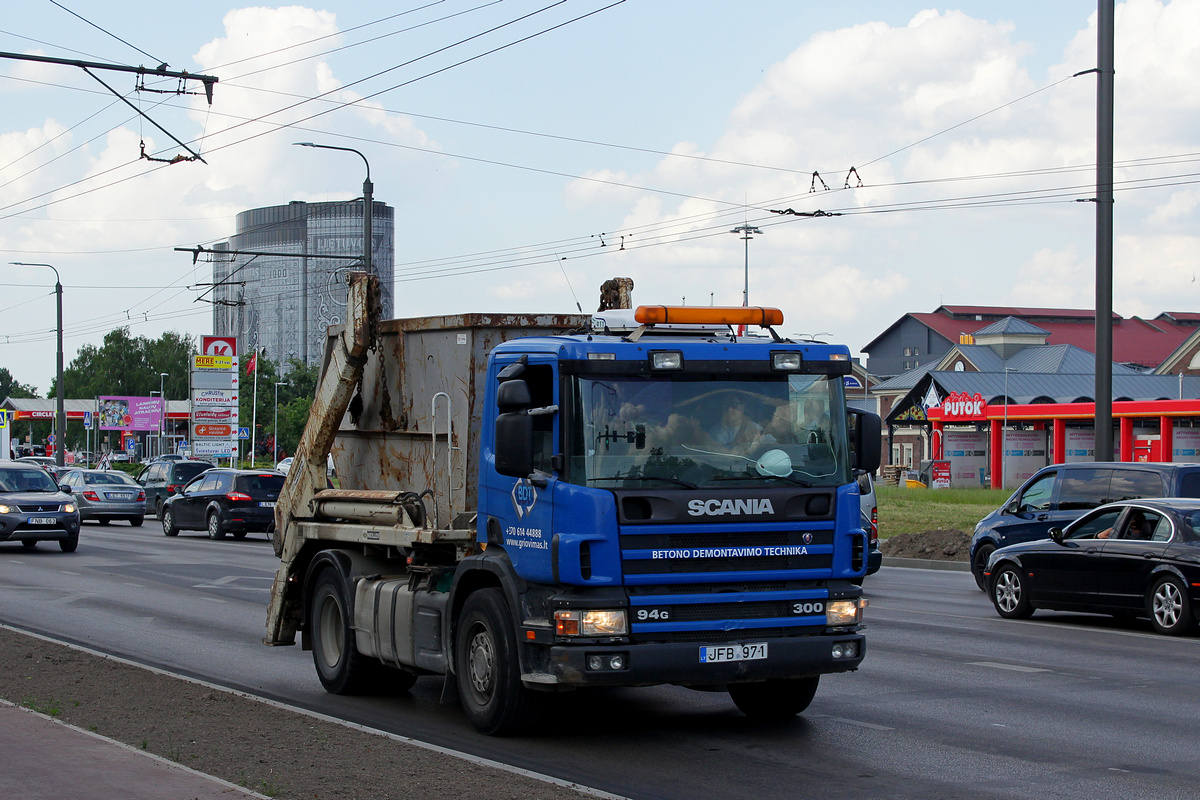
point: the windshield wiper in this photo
(676, 481)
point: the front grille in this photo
(696, 612)
(39, 508)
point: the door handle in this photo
(1149, 555)
(1043, 517)
(1090, 550)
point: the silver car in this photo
(105, 495)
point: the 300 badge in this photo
(805, 609)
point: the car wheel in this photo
(168, 523)
(340, 667)
(29, 544)
(1009, 594)
(776, 699)
(487, 669)
(979, 564)
(136, 521)
(103, 520)
(215, 529)
(238, 534)
(69, 544)
(158, 510)
(1169, 606)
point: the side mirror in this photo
(64, 488)
(514, 430)
(1056, 535)
(868, 429)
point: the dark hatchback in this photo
(222, 501)
(32, 509)
(163, 478)
(1138, 558)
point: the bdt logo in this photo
(524, 498)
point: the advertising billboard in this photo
(130, 413)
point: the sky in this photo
(534, 148)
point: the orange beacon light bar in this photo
(708, 315)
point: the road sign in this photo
(87, 420)
(243, 433)
(50, 439)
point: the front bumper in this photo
(16, 528)
(649, 664)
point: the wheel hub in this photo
(482, 662)
(1167, 605)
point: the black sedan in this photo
(1137, 558)
(220, 501)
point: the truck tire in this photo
(774, 700)
(341, 668)
(488, 670)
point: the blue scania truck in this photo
(531, 504)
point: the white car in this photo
(284, 465)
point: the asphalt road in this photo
(951, 702)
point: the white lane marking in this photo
(68, 572)
(1013, 667)
(855, 722)
(221, 583)
(213, 599)
(1057, 625)
(468, 757)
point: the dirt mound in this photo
(940, 545)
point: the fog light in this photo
(837, 650)
(786, 362)
(850, 649)
(666, 359)
(595, 663)
(616, 663)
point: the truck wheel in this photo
(215, 529)
(488, 670)
(168, 523)
(1169, 607)
(341, 668)
(1009, 595)
(776, 699)
(979, 564)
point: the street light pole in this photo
(368, 199)
(275, 434)
(60, 417)
(746, 231)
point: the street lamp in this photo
(152, 393)
(368, 189)
(162, 422)
(60, 417)
(746, 231)
(275, 435)
(1004, 431)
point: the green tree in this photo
(11, 387)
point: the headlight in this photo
(591, 622)
(69, 508)
(786, 362)
(7, 509)
(666, 359)
(843, 612)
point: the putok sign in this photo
(963, 406)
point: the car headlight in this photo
(591, 622)
(8, 509)
(70, 508)
(844, 612)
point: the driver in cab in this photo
(734, 430)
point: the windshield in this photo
(686, 431)
(34, 479)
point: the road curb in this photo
(926, 563)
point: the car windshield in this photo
(107, 478)
(690, 431)
(33, 479)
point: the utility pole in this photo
(746, 230)
(60, 416)
(1104, 230)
